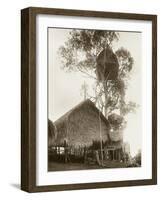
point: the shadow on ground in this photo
(15, 185)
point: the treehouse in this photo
(107, 65)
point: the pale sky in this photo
(64, 88)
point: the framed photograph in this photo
(88, 99)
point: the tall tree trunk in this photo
(106, 99)
(122, 100)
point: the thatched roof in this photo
(51, 133)
(115, 119)
(84, 104)
(80, 126)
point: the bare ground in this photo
(56, 166)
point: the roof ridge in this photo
(66, 115)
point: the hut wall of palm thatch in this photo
(79, 127)
(116, 135)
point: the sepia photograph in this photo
(94, 99)
(89, 99)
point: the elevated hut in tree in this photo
(107, 65)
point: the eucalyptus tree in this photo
(91, 52)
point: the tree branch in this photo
(87, 74)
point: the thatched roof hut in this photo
(79, 127)
(107, 65)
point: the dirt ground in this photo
(56, 166)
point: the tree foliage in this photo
(82, 48)
(80, 53)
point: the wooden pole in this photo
(119, 154)
(101, 138)
(113, 155)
